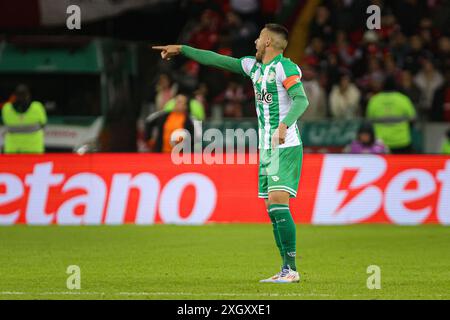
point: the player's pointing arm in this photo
(169, 51)
(204, 57)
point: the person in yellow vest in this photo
(24, 120)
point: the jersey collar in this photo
(274, 60)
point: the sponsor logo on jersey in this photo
(275, 178)
(264, 97)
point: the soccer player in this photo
(280, 101)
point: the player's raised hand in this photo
(169, 51)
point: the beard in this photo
(259, 55)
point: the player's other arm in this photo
(299, 105)
(292, 83)
(205, 57)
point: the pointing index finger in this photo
(159, 47)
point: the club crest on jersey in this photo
(264, 97)
(271, 77)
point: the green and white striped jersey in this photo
(271, 83)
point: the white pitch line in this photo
(209, 294)
(222, 294)
(12, 293)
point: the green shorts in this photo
(279, 170)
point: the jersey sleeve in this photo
(247, 64)
(290, 75)
(213, 59)
(299, 106)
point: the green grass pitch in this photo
(222, 262)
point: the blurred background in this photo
(104, 90)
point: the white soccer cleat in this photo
(271, 279)
(288, 276)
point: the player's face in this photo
(261, 44)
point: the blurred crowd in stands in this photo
(344, 64)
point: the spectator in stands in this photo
(399, 48)
(428, 80)
(375, 87)
(233, 99)
(206, 34)
(316, 95)
(321, 26)
(369, 49)
(201, 95)
(427, 33)
(391, 112)
(165, 90)
(416, 52)
(188, 75)
(366, 143)
(240, 34)
(248, 9)
(161, 125)
(443, 53)
(195, 107)
(408, 87)
(315, 52)
(375, 72)
(446, 144)
(391, 68)
(332, 71)
(388, 26)
(345, 51)
(344, 99)
(372, 81)
(440, 110)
